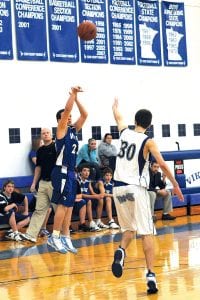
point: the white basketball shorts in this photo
(133, 209)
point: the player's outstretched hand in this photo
(115, 103)
(76, 89)
(178, 193)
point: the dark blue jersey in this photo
(67, 149)
(3, 203)
(108, 187)
(84, 186)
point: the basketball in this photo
(87, 31)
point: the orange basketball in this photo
(87, 31)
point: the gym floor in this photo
(36, 272)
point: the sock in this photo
(150, 272)
(56, 233)
(98, 221)
(64, 235)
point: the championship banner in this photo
(148, 33)
(94, 51)
(6, 50)
(30, 23)
(62, 25)
(174, 35)
(121, 32)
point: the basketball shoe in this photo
(101, 225)
(56, 243)
(67, 243)
(113, 225)
(13, 236)
(151, 283)
(118, 263)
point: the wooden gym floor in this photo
(33, 271)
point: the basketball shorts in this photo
(133, 209)
(78, 205)
(64, 187)
(18, 217)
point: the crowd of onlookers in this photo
(95, 167)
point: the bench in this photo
(179, 208)
(190, 206)
(194, 204)
(23, 183)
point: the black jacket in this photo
(156, 181)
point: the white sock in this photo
(56, 233)
(65, 236)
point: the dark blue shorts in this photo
(78, 205)
(64, 187)
(18, 217)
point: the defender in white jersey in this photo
(130, 190)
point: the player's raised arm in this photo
(63, 122)
(117, 115)
(83, 114)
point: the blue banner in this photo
(174, 35)
(94, 51)
(148, 33)
(63, 39)
(121, 32)
(30, 23)
(6, 50)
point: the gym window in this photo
(150, 131)
(181, 130)
(35, 132)
(196, 129)
(80, 135)
(165, 130)
(115, 132)
(14, 135)
(96, 132)
(54, 132)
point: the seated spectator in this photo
(88, 154)
(88, 194)
(107, 152)
(9, 191)
(36, 143)
(108, 196)
(9, 211)
(157, 189)
(80, 209)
